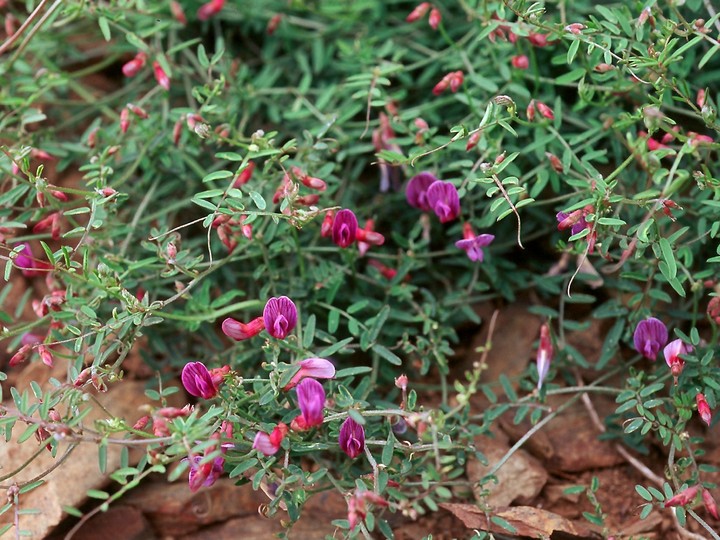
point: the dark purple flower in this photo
(649, 337)
(280, 316)
(198, 381)
(352, 438)
(444, 200)
(416, 191)
(204, 475)
(311, 400)
(345, 227)
(473, 245)
(577, 219)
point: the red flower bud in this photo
(684, 497)
(435, 18)
(520, 61)
(604, 68)
(555, 162)
(273, 23)
(327, 224)
(546, 111)
(131, 68)
(473, 139)
(456, 80)
(538, 40)
(245, 175)
(575, 28)
(703, 409)
(21, 355)
(419, 12)
(45, 355)
(177, 12)
(124, 120)
(530, 111)
(137, 111)
(160, 75)
(710, 504)
(210, 9)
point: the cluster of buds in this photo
(421, 10)
(290, 190)
(50, 302)
(279, 319)
(452, 80)
(54, 428)
(158, 419)
(125, 116)
(91, 375)
(541, 107)
(227, 230)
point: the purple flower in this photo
(444, 200)
(311, 400)
(416, 190)
(204, 475)
(472, 245)
(198, 381)
(576, 221)
(352, 438)
(649, 337)
(25, 261)
(280, 316)
(344, 228)
(318, 368)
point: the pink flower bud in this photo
(401, 382)
(141, 423)
(520, 61)
(386, 271)
(604, 68)
(575, 28)
(555, 162)
(544, 354)
(530, 111)
(92, 137)
(210, 9)
(160, 75)
(50, 222)
(137, 111)
(710, 504)
(124, 120)
(45, 355)
(177, 131)
(132, 68)
(317, 368)
(435, 18)
(20, 356)
(456, 80)
(177, 12)
(703, 408)
(538, 40)
(245, 175)
(684, 497)
(419, 12)
(239, 331)
(269, 444)
(327, 225)
(701, 99)
(546, 111)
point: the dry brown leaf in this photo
(526, 520)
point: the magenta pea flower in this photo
(672, 352)
(317, 368)
(201, 382)
(344, 228)
(575, 220)
(649, 337)
(444, 200)
(28, 265)
(204, 475)
(311, 400)
(279, 316)
(473, 243)
(352, 438)
(269, 443)
(416, 191)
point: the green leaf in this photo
(644, 493)
(105, 28)
(309, 331)
(387, 354)
(370, 335)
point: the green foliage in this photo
(202, 211)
